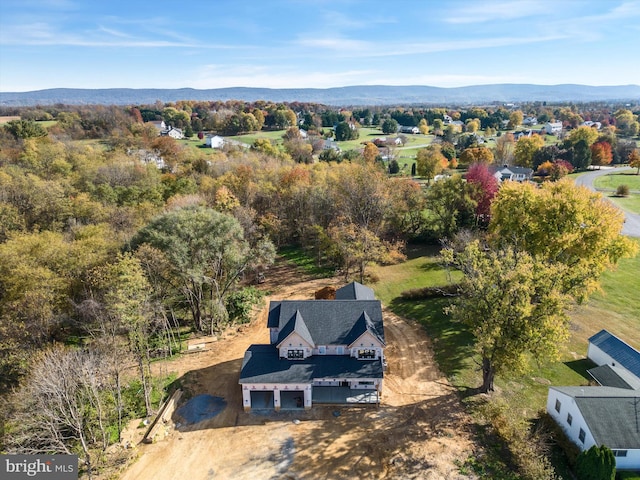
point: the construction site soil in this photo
(419, 431)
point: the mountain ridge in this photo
(348, 95)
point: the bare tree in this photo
(61, 407)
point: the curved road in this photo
(631, 225)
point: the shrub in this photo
(622, 191)
(597, 463)
(431, 292)
(241, 303)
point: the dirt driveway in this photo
(420, 431)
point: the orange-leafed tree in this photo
(601, 153)
(634, 160)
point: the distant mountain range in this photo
(340, 96)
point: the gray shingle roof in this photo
(622, 353)
(298, 325)
(329, 322)
(609, 376)
(355, 291)
(262, 364)
(612, 414)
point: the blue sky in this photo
(316, 43)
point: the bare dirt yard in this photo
(420, 430)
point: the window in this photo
(619, 453)
(295, 354)
(581, 435)
(558, 405)
(322, 350)
(367, 353)
(569, 419)
(340, 350)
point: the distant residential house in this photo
(159, 124)
(330, 144)
(319, 352)
(516, 174)
(607, 414)
(530, 121)
(447, 119)
(173, 133)
(303, 134)
(412, 130)
(214, 141)
(589, 123)
(552, 128)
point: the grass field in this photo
(609, 183)
(614, 308)
(612, 181)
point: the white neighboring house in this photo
(412, 130)
(173, 133)
(515, 174)
(608, 414)
(215, 141)
(159, 124)
(447, 119)
(589, 123)
(552, 128)
(530, 121)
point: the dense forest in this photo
(109, 257)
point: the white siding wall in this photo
(295, 342)
(630, 462)
(568, 406)
(366, 341)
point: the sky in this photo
(316, 43)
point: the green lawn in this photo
(609, 183)
(613, 308)
(612, 181)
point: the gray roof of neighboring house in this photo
(328, 322)
(355, 291)
(262, 364)
(627, 356)
(612, 414)
(609, 376)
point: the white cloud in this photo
(500, 11)
(221, 76)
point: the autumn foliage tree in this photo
(601, 153)
(431, 161)
(485, 188)
(476, 155)
(548, 247)
(634, 160)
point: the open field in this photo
(8, 118)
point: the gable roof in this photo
(627, 356)
(612, 414)
(363, 325)
(329, 322)
(355, 291)
(297, 325)
(262, 364)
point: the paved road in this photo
(631, 225)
